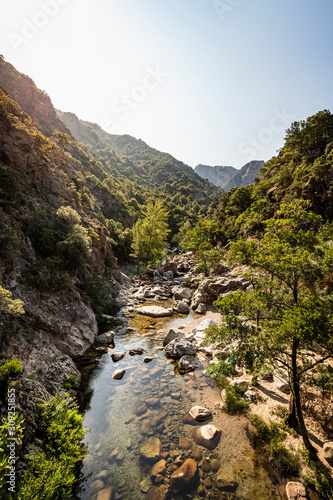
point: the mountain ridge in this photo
(228, 177)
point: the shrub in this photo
(271, 437)
(9, 305)
(9, 369)
(51, 471)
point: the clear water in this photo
(118, 428)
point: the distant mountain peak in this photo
(228, 177)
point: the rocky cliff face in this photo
(219, 175)
(229, 177)
(245, 175)
(38, 176)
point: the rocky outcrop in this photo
(229, 177)
(210, 288)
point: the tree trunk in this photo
(297, 402)
(291, 418)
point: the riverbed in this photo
(152, 400)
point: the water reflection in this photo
(152, 399)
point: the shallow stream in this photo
(152, 399)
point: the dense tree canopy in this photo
(285, 320)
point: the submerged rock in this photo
(150, 450)
(106, 494)
(184, 478)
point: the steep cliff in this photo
(229, 177)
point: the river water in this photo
(152, 399)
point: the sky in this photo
(215, 82)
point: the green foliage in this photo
(48, 274)
(288, 312)
(10, 429)
(76, 247)
(9, 369)
(206, 258)
(99, 290)
(9, 305)
(224, 367)
(271, 437)
(318, 477)
(150, 233)
(68, 383)
(52, 470)
(235, 404)
(204, 232)
(121, 239)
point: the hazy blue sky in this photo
(213, 82)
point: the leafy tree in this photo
(285, 320)
(150, 233)
(206, 258)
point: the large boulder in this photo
(172, 334)
(106, 338)
(178, 348)
(200, 413)
(208, 436)
(210, 288)
(185, 477)
(188, 363)
(181, 307)
(280, 378)
(295, 491)
(154, 311)
(180, 292)
(201, 309)
(241, 383)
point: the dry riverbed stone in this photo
(200, 413)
